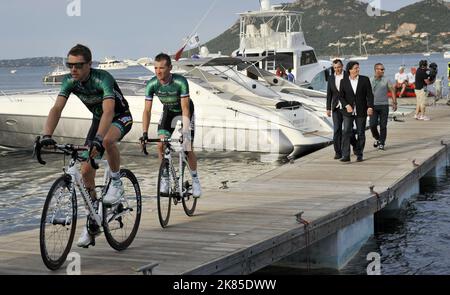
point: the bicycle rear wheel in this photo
(121, 221)
(189, 202)
(164, 193)
(58, 223)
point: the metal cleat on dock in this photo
(224, 185)
(372, 191)
(414, 163)
(147, 269)
(377, 195)
(299, 218)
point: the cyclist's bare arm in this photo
(185, 113)
(107, 117)
(54, 115)
(146, 115)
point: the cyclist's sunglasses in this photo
(77, 65)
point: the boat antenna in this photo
(200, 22)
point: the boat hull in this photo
(20, 131)
(220, 125)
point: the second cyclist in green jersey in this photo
(173, 92)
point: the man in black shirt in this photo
(422, 80)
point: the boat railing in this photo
(257, 41)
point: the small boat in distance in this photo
(338, 56)
(361, 46)
(447, 54)
(56, 76)
(13, 71)
(110, 63)
(131, 62)
(427, 53)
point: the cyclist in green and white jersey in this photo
(112, 119)
(173, 92)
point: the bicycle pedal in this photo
(90, 244)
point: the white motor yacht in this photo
(56, 76)
(226, 120)
(276, 35)
(299, 125)
(110, 63)
(265, 84)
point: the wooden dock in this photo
(243, 229)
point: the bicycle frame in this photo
(56, 208)
(74, 171)
(182, 158)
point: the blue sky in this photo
(123, 28)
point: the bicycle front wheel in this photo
(189, 202)
(164, 193)
(121, 221)
(58, 223)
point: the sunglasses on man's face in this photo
(380, 69)
(77, 65)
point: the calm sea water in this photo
(31, 77)
(417, 242)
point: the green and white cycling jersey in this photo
(169, 94)
(99, 86)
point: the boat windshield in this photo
(308, 57)
(319, 82)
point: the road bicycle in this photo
(120, 221)
(178, 180)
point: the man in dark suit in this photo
(333, 107)
(356, 98)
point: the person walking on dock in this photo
(380, 89)
(334, 107)
(356, 98)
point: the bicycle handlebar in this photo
(153, 140)
(37, 150)
(93, 164)
(159, 140)
(144, 147)
(67, 149)
(163, 140)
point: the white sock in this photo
(115, 175)
(194, 173)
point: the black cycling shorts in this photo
(169, 120)
(122, 122)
